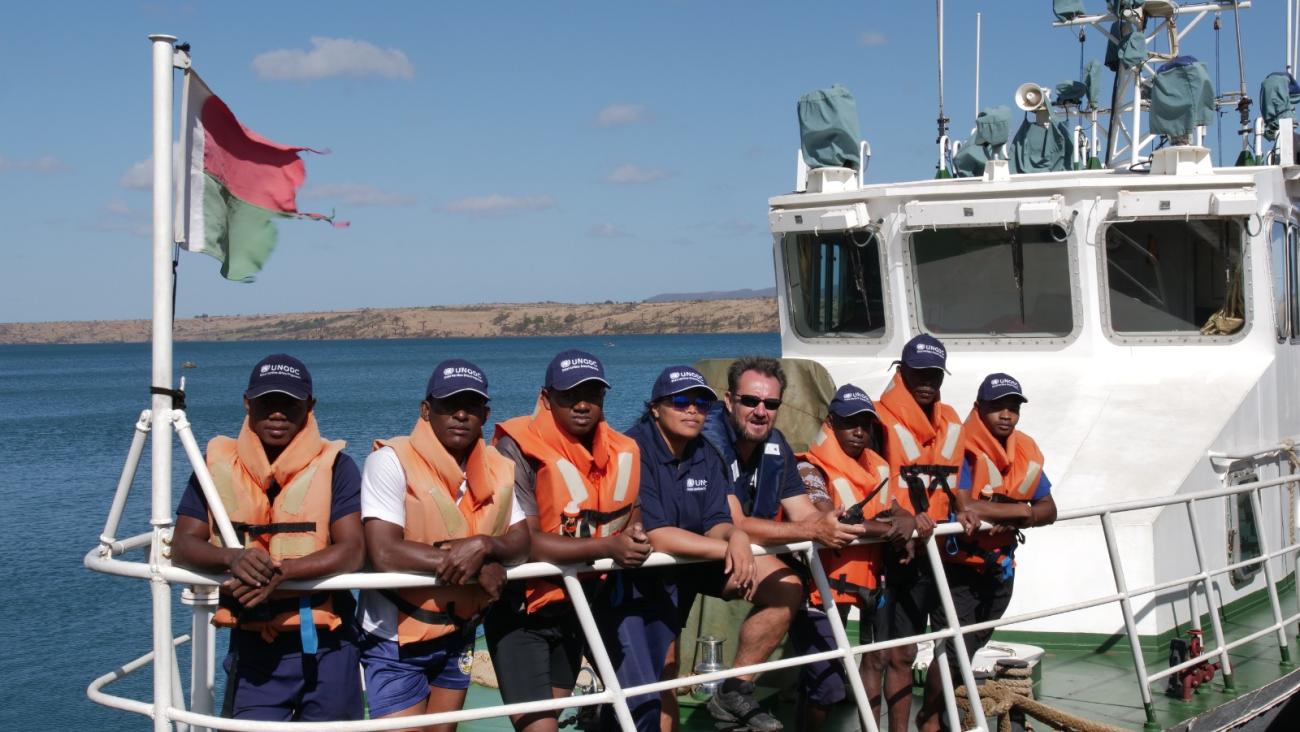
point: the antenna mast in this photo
(942, 121)
(977, 69)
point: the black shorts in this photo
(910, 600)
(690, 580)
(533, 652)
(977, 596)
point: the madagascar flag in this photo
(235, 183)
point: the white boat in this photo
(1152, 309)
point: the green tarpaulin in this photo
(992, 128)
(1040, 148)
(1182, 97)
(1092, 80)
(1067, 9)
(1278, 96)
(828, 128)
(1129, 47)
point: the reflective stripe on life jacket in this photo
(852, 571)
(580, 494)
(433, 516)
(998, 473)
(912, 438)
(295, 524)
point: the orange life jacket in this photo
(852, 570)
(911, 438)
(432, 516)
(295, 524)
(1012, 472)
(580, 493)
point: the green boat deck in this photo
(1088, 676)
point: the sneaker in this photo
(738, 707)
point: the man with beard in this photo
(764, 479)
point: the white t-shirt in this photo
(383, 496)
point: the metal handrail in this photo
(103, 558)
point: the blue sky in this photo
(489, 152)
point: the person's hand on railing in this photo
(631, 547)
(492, 577)
(738, 564)
(924, 527)
(463, 559)
(254, 567)
(827, 530)
(969, 520)
(248, 595)
(901, 526)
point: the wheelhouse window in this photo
(1277, 253)
(835, 285)
(993, 281)
(1176, 276)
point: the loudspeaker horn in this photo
(1031, 97)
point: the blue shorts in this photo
(276, 682)
(399, 678)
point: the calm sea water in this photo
(66, 419)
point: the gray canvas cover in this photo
(1278, 96)
(1129, 47)
(1182, 97)
(1092, 80)
(828, 128)
(1039, 149)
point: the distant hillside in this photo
(609, 318)
(766, 293)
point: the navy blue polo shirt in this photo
(346, 498)
(689, 493)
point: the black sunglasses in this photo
(751, 401)
(682, 401)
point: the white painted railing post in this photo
(958, 642)
(865, 712)
(596, 647)
(1283, 648)
(1211, 604)
(127, 477)
(1130, 624)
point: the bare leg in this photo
(444, 700)
(541, 721)
(931, 712)
(668, 710)
(779, 594)
(898, 686)
(872, 670)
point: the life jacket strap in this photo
(270, 609)
(600, 518)
(432, 617)
(283, 527)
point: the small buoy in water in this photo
(189, 365)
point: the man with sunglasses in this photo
(925, 447)
(439, 501)
(577, 480)
(293, 499)
(683, 502)
(764, 479)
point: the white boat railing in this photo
(107, 558)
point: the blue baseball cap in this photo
(279, 373)
(677, 379)
(924, 352)
(572, 367)
(850, 400)
(454, 376)
(997, 386)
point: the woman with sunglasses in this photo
(684, 510)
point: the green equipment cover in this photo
(1128, 47)
(1092, 80)
(1278, 96)
(1067, 9)
(808, 391)
(992, 128)
(1071, 92)
(828, 128)
(1182, 97)
(1039, 149)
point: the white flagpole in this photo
(161, 447)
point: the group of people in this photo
(700, 475)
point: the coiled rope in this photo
(1014, 689)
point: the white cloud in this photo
(607, 231)
(43, 164)
(333, 57)
(358, 194)
(872, 38)
(139, 177)
(621, 114)
(497, 204)
(117, 206)
(633, 173)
